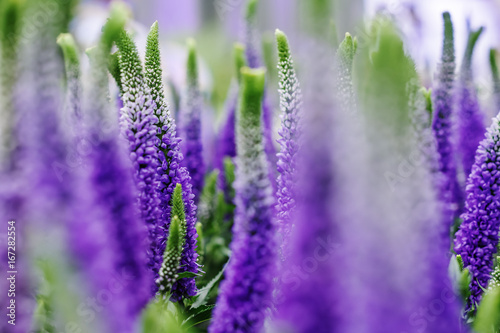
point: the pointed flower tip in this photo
(251, 11)
(69, 48)
(239, 59)
(348, 46)
(448, 26)
(192, 65)
(253, 81)
(283, 46)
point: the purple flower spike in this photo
(470, 119)
(138, 125)
(290, 104)
(442, 122)
(170, 173)
(477, 239)
(191, 125)
(245, 293)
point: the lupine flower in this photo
(290, 104)
(176, 239)
(477, 239)
(191, 125)
(106, 233)
(442, 122)
(246, 290)
(470, 119)
(138, 127)
(170, 173)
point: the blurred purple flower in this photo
(192, 146)
(477, 239)
(442, 122)
(290, 104)
(470, 118)
(246, 290)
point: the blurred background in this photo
(216, 24)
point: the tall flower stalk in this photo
(254, 60)
(477, 239)
(442, 124)
(191, 125)
(470, 119)
(246, 290)
(169, 271)
(107, 235)
(290, 105)
(138, 127)
(170, 173)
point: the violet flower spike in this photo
(107, 234)
(138, 127)
(246, 290)
(291, 108)
(477, 239)
(442, 122)
(170, 173)
(470, 118)
(191, 125)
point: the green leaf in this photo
(203, 293)
(203, 314)
(187, 275)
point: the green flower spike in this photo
(176, 240)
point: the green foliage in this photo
(229, 174)
(488, 313)
(213, 225)
(10, 23)
(383, 71)
(161, 316)
(469, 50)
(207, 198)
(428, 102)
